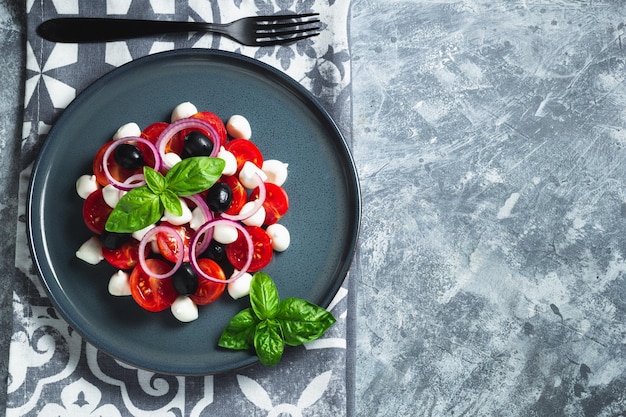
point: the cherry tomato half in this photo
(240, 195)
(237, 251)
(244, 151)
(167, 245)
(124, 257)
(152, 294)
(276, 202)
(208, 291)
(115, 170)
(153, 131)
(214, 120)
(96, 211)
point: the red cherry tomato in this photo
(115, 170)
(240, 195)
(152, 294)
(244, 151)
(153, 131)
(237, 251)
(124, 257)
(96, 211)
(214, 120)
(276, 202)
(167, 245)
(208, 291)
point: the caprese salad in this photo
(183, 210)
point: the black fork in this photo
(252, 31)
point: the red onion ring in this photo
(251, 212)
(127, 186)
(145, 240)
(181, 124)
(203, 230)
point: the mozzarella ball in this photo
(225, 234)
(238, 127)
(118, 284)
(139, 234)
(250, 174)
(197, 219)
(127, 130)
(184, 309)
(183, 110)
(85, 185)
(257, 218)
(90, 251)
(171, 158)
(281, 239)
(178, 220)
(231, 162)
(276, 171)
(240, 287)
(111, 195)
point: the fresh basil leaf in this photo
(268, 342)
(239, 334)
(194, 175)
(171, 202)
(137, 209)
(155, 181)
(263, 296)
(302, 321)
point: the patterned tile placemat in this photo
(52, 370)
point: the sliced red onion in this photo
(250, 212)
(187, 123)
(128, 185)
(203, 230)
(146, 240)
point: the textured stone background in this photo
(490, 138)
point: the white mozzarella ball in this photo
(197, 219)
(112, 195)
(225, 234)
(240, 287)
(238, 127)
(139, 234)
(90, 251)
(118, 284)
(183, 110)
(250, 174)
(184, 309)
(276, 171)
(281, 239)
(231, 162)
(171, 158)
(178, 220)
(257, 218)
(85, 185)
(127, 130)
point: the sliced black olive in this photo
(128, 156)
(185, 280)
(196, 143)
(219, 197)
(113, 240)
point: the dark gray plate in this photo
(288, 124)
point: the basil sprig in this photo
(143, 206)
(270, 324)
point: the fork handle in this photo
(88, 29)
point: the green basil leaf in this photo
(137, 209)
(171, 202)
(268, 342)
(263, 296)
(154, 180)
(194, 175)
(239, 334)
(302, 321)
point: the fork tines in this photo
(288, 28)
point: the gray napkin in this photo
(52, 370)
